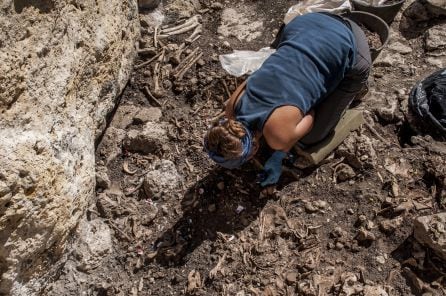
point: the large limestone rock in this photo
(63, 63)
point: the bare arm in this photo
(286, 126)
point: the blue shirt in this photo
(314, 54)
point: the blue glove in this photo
(273, 168)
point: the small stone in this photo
(279, 283)
(369, 225)
(165, 209)
(338, 232)
(365, 236)
(371, 290)
(310, 208)
(93, 245)
(386, 59)
(339, 246)
(395, 189)
(147, 114)
(201, 62)
(291, 278)
(350, 211)
(147, 141)
(212, 208)
(388, 226)
(147, 212)
(107, 204)
(344, 172)
(226, 44)
(217, 6)
(321, 204)
(439, 62)
(362, 219)
(400, 48)
(380, 259)
(221, 185)
(404, 207)
(163, 179)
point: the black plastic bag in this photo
(428, 101)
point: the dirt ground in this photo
(342, 228)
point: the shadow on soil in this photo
(216, 207)
(419, 263)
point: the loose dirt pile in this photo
(372, 37)
(181, 225)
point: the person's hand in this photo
(268, 192)
(273, 168)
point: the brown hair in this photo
(225, 138)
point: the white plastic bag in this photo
(306, 6)
(373, 2)
(242, 62)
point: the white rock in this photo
(61, 71)
(439, 62)
(436, 39)
(239, 25)
(374, 291)
(400, 48)
(386, 59)
(148, 114)
(380, 259)
(431, 231)
(162, 180)
(94, 243)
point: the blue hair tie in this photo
(232, 163)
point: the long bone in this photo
(193, 20)
(157, 90)
(195, 34)
(187, 26)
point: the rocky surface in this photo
(431, 231)
(240, 25)
(63, 66)
(215, 233)
(437, 7)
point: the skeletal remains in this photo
(161, 53)
(180, 29)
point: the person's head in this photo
(229, 143)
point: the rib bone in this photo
(183, 28)
(193, 20)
